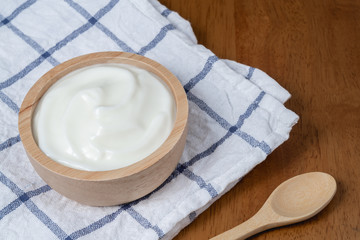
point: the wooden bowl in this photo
(106, 188)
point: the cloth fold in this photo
(236, 117)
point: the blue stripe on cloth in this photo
(38, 191)
(17, 11)
(250, 109)
(203, 106)
(10, 207)
(226, 125)
(160, 36)
(253, 142)
(32, 43)
(144, 222)
(265, 147)
(48, 222)
(9, 102)
(113, 37)
(208, 151)
(251, 71)
(207, 67)
(201, 182)
(70, 37)
(192, 216)
(166, 12)
(105, 9)
(95, 225)
(111, 217)
(8, 143)
(104, 29)
(23, 197)
(57, 46)
(22, 73)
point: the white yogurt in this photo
(104, 117)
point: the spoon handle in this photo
(244, 230)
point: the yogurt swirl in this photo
(104, 117)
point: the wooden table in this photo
(312, 48)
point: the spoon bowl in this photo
(303, 196)
(295, 200)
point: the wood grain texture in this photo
(113, 187)
(312, 49)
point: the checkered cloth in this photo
(236, 117)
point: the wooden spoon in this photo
(295, 200)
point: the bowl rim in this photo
(48, 79)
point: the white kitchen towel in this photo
(236, 117)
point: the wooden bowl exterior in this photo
(106, 188)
